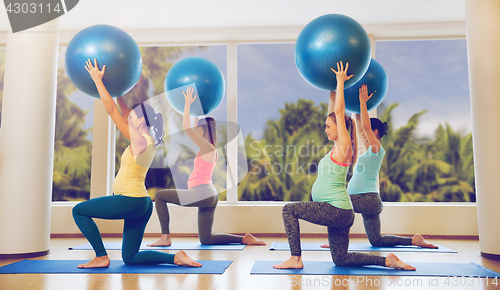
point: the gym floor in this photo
(237, 276)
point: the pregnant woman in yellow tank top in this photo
(130, 201)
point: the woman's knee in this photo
(375, 241)
(77, 209)
(127, 259)
(339, 260)
(287, 209)
(205, 239)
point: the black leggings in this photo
(338, 221)
(370, 206)
(206, 211)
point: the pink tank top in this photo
(202, 171)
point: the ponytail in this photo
(210, 129)
(157, 128)
(351, 127)
(154, 121)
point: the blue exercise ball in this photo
(376, 81)
(112, 47)
(327, 40)
(207, 79)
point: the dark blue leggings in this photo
(135, 211)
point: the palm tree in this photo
(287, 173)
(400, 151)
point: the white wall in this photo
(401, 218)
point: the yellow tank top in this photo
(129, 180)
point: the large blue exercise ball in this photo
(376, 81)
(327, 40)
(206, 77)
(112, 47)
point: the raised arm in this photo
(359, 129)
(331, 102)
(204, 145)
(137, 141)
(123, 107)
(365, 120)
(344, 140)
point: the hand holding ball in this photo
(200, 74)
(327, 40)
(375, 79)
(110, 46)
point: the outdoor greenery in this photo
(282, 166)
(72, 150)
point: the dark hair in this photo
(381, 127)
(351, 127)
(209, 129)
(154, 120)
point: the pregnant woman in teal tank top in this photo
(331, 205)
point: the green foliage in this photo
(72, 151)
(283, 165)
(414, 169)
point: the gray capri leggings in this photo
(370, 206)
(338, 221)
(206, 210)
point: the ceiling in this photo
(174, 14)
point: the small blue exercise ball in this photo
(207, 79)
(376, 81)
(327, 40)
(112, 47)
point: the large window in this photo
(429, 146)
(73, 139)
(174, 158)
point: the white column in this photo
(232, 117)
(483, 41)
(103, 152)
(372, 113)
(27, 143)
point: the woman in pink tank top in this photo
(200, 193)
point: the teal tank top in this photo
(330, 185)
(365, 172)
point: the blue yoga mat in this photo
(423, 269)
(70, 266)
(174, 246)
(360, 248)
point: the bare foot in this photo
(164, 241)
(97, 262)
(326, 246)
(182, 259)
(248, 239)
(295, 262)
(418, 240)
(394, 262)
